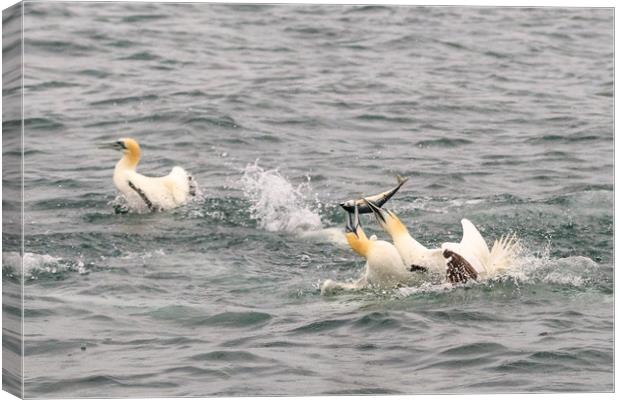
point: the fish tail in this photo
(401, 180)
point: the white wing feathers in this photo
(475, 244)
(163, 192)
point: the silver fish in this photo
(378, 199)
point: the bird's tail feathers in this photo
(503, 253)
(193, 186)
(183, 184)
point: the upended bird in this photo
(416, 256)
(145, 192)
(384, 267)
(470, 259)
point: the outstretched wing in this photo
(473, 241)
(472, 247)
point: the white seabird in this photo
(457, 262)
(149, 193)
(415, 255)
(384, 267)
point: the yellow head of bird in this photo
(130, 148)
(358, 241)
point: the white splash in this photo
(334, 236)
(528, 268)
(276, 204)
(576, 271)
(426, 287)
(35, 264)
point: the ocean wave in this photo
(444, 142)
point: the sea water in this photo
(280, 112)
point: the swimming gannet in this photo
(415, 255)
(384, 267)
(378, 199)
(143, 192)
(471, 258)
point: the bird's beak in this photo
(379, 213)
(349, 228)
(353, 221)
(118, 145)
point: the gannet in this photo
(384, 267)
(471, 258)
(378, 199)
(457, 262)
(143, 192)
(415, 255)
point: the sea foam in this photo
(529, 268)
(37, 264)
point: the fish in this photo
(378, 199)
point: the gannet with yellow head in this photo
(458, 262)
(415, 255)
(384, 266)
(149, 193)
